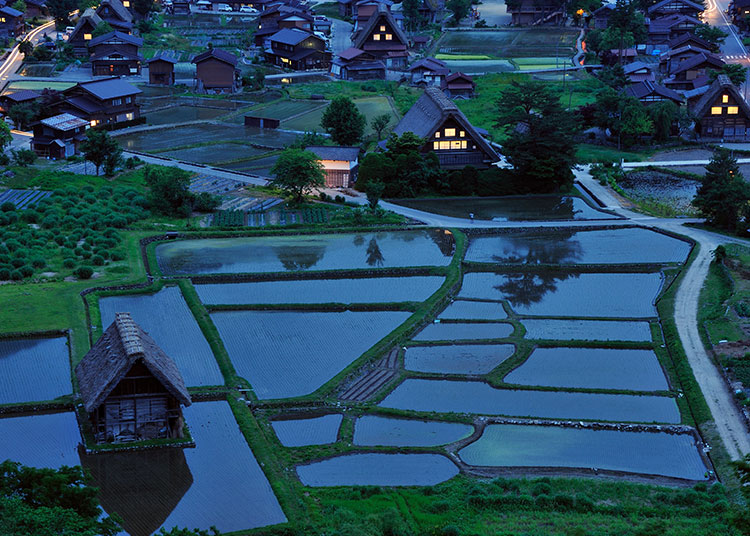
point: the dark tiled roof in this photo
(217, 53)
(687, 3)
(114, 354)
(698, 59)
(680, 50)
(430, 111)
(350, 53)
(85, 105)
(112, 54)
(381, 13)
(325, 152)
(109, 88)
(643, 89)
(10, 11)
(365, 66)
(23, 95)
(431, 64)
(165, 55)
(119, 9)
(637, 66)
(686, 38)
(664, 24)
(291, 36)
(89, 16)
(722, 84)
(120, 36)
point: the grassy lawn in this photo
(597, 153)
(283, 109)
(403, 96)
(38, 84)
(328, 9)
(371, 107)
(461, 57)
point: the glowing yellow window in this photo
(126, 3)
(382, 28)
(2, 19)
(437, 134)
(463, 144)
(725, 99)
(715, 110)
(94, 122)
(376, 37)
(388, 37)
(450, 132)
(445, 145)
(733, 110)
(461, 134)
(87, 36)
(456, 144)
(436, 145)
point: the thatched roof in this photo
(721, 85)
(115, 353)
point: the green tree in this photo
(83, 5)
(60, 9)
(6, 138)
(594, 41)
(459, 8)
(169, 190)
(23, 157)
(736, 73)
(26, 47)
(343, 121)
(712, 34)
(374, 193)
(540, 142)
(297, 172)
(102, 28)
(663, 115)
(410, 9)
(113, 161)
(97, 146)
(19, 5)
(626, 27)
(380, 123)
(614, 76)
(724, 195)
(143, 7)
(23, 114)
(635, 123)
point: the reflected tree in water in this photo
(294, 258)
(358, 240)
(443, 240)
(374, 255)
(553, 248)
(524, 288)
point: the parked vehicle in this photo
(203, 5)
(224, 8)
(248, 9)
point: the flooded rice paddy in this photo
(607, 246)
(457, 359)
(288, 353)
(306, 252)
(378, 470)
(180, 337)
(371, 431)
(671, 455)
(32, 370)
(365, 290)
(310, 431)
(586, 330)
(592, 368)
(523, 208)
(40, 440)
(606, 295)
(473, 310)
(447, 396)
(185, 113)
(168, 138)
(455, 331)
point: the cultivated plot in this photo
(586, 330)
(567, 294)
(473, 310)
(32, 370)
(371, 107)
(507, 445)
(609, 246)
(447, 396)
(218, 483)
(183, 114)
(389, 249)
(371, 430)
(456, 331)
(364, 290)
(311, 431)
(167, 318)
(213, 154)
(512, 42)
(285, 354)
(457, 359)
(592, 368)
(378, 470)
(40, 440)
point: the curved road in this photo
(15, 58)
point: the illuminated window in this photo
(285, 60)
(437, 134)
(456, 144)
(445, 145)
(450, 132)
(725, 99)
(2, 19)
(376, 37)
(129, 116)
(715, 110)
(733, 110)
(461, 134)
(436, 145)
(382, 28)
(94, 122)
(87, 36)
(126, 3)
(388, 37)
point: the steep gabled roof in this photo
(697, 7)
(698, 59)
(605, 9)
(430, 64)
(165, 55)
(643, 89)
(114, 354)
(119, 9)
(722, 84)
(430, 111)
(688, 37)
(217, 53)
(120, 36)
(458, 80)
(89, 16)
(666, 23)
(292, 36)
(366, 31)
(680, 50)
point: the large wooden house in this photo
(356, 64)
(100, 102)
(528, 12)
(458, 86)
(693, 72)
(382, 37)
(447, 132)
(116, 14)
(298, 50)
(24, 96)
(689, 39)
(670, 7)
(601, 16)
(664, 29)
(11, 23)
(216, 71)
(116, 54)
(58, 137)
(722, 112)
(649, 92)
(339, 164)
(83, 33)
(131, 389)
(278, 18)
(428, 72)
(670, 60)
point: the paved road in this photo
(14, 60)
(732, 50)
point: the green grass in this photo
(714, 310)
(371, 107)
(462, 57)
(403, 96)
(283, 109)
(588, 153)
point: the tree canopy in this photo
(736, 73)
(712, 34)
(459, 8)
(98, 146)
(723, 197)
(343, 121)
(297, 172)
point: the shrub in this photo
(26, 270)
(18, 262)
(541, 488)
(86, 254)
(450, 530)
(15, 275)
(69, 263)
(4, 274)
(38, 263)
(97, 260)
(7, 207)
(49, 222)
(23, 157)
(4, 159)
(83, 272)
(117, 255)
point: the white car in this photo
(224, 8)
(203, 5)
(248, 9)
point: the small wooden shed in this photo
(131, 389)
(161, 68)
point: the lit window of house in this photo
(126, 3)
(445, 145)
(382, 28)
(436, 145)
(437, 134)
(376, 37)
(2, 19)
(388, 37)
(87, 36)
(450, 132)
(461, 134)
(456, 144)
(725, 99)
(715, 110)
(733, 110)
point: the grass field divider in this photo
(477, 267)
(315, 307)
(62, 403)
(314, 275)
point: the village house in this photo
(116, 53)
(428, 72)
(11, 23)
(382, 37)
(693, 72)
(671, 7)
(161, 68)
(279, 17)
(458, 86)
(181, 7)
(722, 113)
(116, 15)
(364, 9)
(528, 12)
(639, 71)
(671, 59)
(664, 29)
(447, 132)
(339, 164)
(216, 71)
(131, 390)
(689, 39)
(356, 64)
(601, 16)
(82, 33)
(58, 137)
(420, 42)
(24, 96)
(298, 50)
(649, 92)
(36, 8)
(100, 102)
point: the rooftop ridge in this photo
(129, 334)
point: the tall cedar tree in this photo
(169, 190)
(297, 172)
(625, 27)
(97, 146)
(540, 141)
(343, 121)
(734, 71)
(410, 9)
(459, 8)
(724, 195)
